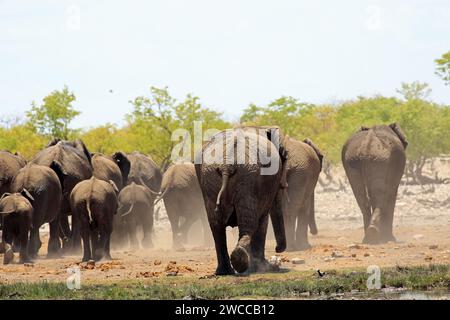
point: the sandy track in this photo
(422, 228)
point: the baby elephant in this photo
(94, 203)
(17, 212)
(135, 209)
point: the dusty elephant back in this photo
(301, 157)
(10, 165)
(43, 184)
(15, 203)
(95, 190)
(180, 176)
(72, 162)
(105, 168)
(135, 194)
(144, 170)
(245, 179)
(377, 144)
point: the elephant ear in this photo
(6, 194)
(316, 149)
(398, 131)
(275, 136)
(53, 142)
(364, 128)
(60, 172)
(124, 164)
(79, 144)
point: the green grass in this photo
(277, 285)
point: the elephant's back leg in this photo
(296, 216)
(220, 240)
(395, 173)
(248, 218)
(173, 212)
(359, 188)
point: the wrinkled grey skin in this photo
(183, 201)
(374, 160)
(94, 203)
(105, 168)
(43, 185)
(140, 169)
(238, 195)
(74, 162)
(303, 166)
(10, 164)
(17, 212)
(135, 210)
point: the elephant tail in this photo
(160, 196)
(92, 223)
(129, 211)
(225, 178)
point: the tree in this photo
(443, 67)
(53, 117)
(21, 138)
(415, 91)
(156, 117)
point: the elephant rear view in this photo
(135, 210)
(93, 203)
(183, 201)
(374, 160)
(43, 185)
(240, 186)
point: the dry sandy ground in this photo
(422, 228)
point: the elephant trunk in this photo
(276, 215)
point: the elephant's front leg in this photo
(54, 246)
(35, 243)
(387, 220)
(23, 238)
(147, 227)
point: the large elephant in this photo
(94, 204)
(374, 160)
(183, 201)
(303, 166)
(240, 186)
(135, 210)
(10, 164)
(17, 212)
(140, 169)
(43, 185)
(74, 162)
(106, 169)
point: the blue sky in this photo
(229, 53)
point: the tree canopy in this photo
(443, 67)
(52, 118)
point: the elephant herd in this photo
(109, 198)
